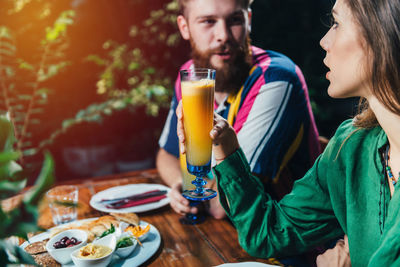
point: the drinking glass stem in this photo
(199, 183)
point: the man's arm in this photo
(168, 167)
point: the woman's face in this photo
(346, 56)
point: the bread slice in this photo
(37, 247)
(44, 259)
(130, 218)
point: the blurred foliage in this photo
(23, 218)
(24, 93)
(131, 78)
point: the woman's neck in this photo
(390, 123)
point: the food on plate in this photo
(137, 231)
(44, 259)
(108, 231)
(37, 247)
(39, 253)
(130, 218)
(124, 242)
(66, 242)
(101, 226)
(93, 228)
(94, 251)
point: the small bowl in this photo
(126, 251)
(63, 255)
(141, 238)
(109, 241)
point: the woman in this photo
(352, 188)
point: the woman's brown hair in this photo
(379, 21)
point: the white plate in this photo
(127, 190)
(138, 256)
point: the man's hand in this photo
(178, 202)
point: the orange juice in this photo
(198, 109)
(187, 178)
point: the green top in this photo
(346, 191)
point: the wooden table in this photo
(211, 243)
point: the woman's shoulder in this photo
(349, 137)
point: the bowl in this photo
(126, 251)
(108, 241)
(63, 255)
(142, 237)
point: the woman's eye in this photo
(333, 23)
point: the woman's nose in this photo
(324, 42)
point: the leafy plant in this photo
(23, 218)
(23, 91)
(131, 78)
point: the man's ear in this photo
(183, 27)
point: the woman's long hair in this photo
(379, 21)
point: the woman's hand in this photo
(223, 135)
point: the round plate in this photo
(128, 190)
(140, 255)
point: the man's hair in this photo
(183, 3)
(379, 24)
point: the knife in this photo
(116, 201)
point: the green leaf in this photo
(6, 134)
(44, 181)
(9, 156)
(149, 70)
(26, 66)
(8, 188)
(96, 59)
(133, 66)
(5, 32)
(18, 254)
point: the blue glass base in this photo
(199, 171)
(193, 195)
(191, 218)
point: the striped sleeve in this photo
(267, 111)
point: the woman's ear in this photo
(183, 27)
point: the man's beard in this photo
(233, 73)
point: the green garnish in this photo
(108, 231)
(124, 242)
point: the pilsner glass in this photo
(197, 87)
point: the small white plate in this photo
(128, 190)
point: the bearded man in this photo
(262, 94)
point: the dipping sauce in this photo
(93, 251)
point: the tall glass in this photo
(197, 87)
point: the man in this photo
(261, 93)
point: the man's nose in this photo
(222, 32)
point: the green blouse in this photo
(346, 191)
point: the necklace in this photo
(388, 169)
